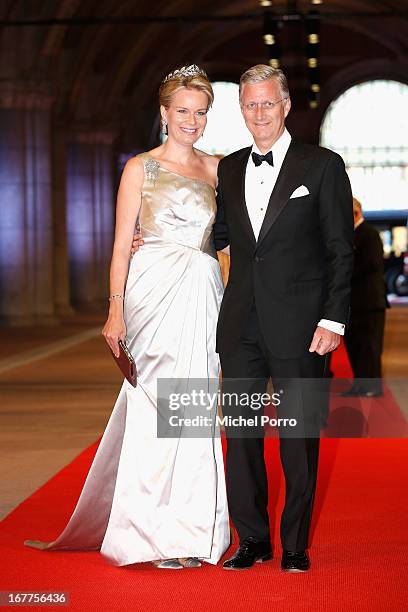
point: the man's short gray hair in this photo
(263, 72)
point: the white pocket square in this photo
(299, 192)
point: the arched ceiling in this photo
(97, 68)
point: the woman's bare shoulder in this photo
(134, 168)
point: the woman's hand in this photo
(137, 240)
(114, 330)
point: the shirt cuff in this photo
(337, 328)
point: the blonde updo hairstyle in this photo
(171, 85)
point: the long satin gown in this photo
(145, 497)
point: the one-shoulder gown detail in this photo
(145, 497)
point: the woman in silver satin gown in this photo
(147, 498)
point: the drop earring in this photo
(164, 127)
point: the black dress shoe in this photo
(249, 552)
(295, 561)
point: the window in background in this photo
(226, 131)
(368, 126)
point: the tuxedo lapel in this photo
(238, 180)
(293, 169)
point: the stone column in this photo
(90, 216)
(59, 198)
(26, 223)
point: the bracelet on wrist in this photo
(116, 296)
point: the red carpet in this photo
(379, 417)
(340, 363)
(358, 552)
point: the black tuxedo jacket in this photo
(300, 268)
(368, 289)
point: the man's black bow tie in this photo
(258, 159)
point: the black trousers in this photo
(247, 370)
(364, 342)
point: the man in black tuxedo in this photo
(365, 334)
(285, 210)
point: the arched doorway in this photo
(367, 125)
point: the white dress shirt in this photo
(259, 184)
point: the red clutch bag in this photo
(126, 363)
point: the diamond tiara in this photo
(185, 71)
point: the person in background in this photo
(365, 333)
